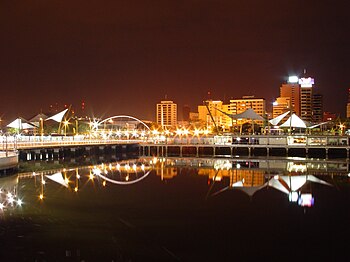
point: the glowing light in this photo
(127, 178)
(19, 202)
(43, 181)
(76, 189)
(10, 200)
(41, 196)
(78, 176)
(2, 206)
(143, 167)
(9, 195)
(66, 180)
(134, 167)
(293, 79)
(118, 166)
(104, 183)
(238, 165)
(91, 176)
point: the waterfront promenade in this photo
(229, 145)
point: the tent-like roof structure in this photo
(278, 119)
(58, 117)
(247, 114)
(294, 121)
(38, 117)
(20, 123)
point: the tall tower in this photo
(317, 108)
(166, 114)
(348, 105)
(292, 90)
(306, 90)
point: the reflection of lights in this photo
(10, 200)
(306, 200)
(293, 196)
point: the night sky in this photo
(122, 57)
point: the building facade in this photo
(317, 108)
(238, 106)
(166, 114)
(292, 90)
(280, 106)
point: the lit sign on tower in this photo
(306, 82)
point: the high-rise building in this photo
(210, 112)
(317, 108)
(292, 90)
(280, 106)
(238, 106)
(186, 113)
(306, 95)
(348, 105)
(166, 114)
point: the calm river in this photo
(176, 209)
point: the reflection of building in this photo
(250, 177)
(166, 114)
(166, 172)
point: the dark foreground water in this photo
(174, 212)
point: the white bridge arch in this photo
(120, 126)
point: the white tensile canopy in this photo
(58, 117)
(294, 121)
(58, 178)
(278, 119)
(288, 184)
(247, 114)
(21, 123)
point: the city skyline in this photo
(125, 57)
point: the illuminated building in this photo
(317, 108)
(166, 114)
(211, 111)
(280, 106)
(348, 105)
(306, 86)
(292, 91)
(238, 106)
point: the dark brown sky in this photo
(122, 57)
